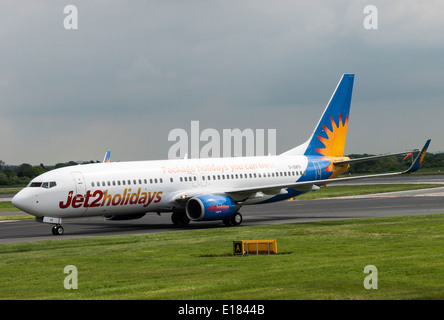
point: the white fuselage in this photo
(154, 186)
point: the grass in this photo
(6, 206)
(323, 260)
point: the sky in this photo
(135, 70)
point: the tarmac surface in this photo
(418, 202)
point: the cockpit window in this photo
(46, 185)
(35, 185)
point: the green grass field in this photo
(322, 260)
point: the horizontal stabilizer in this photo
(357, 160)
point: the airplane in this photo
(201, 189)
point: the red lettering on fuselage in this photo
(100, 198)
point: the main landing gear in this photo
(234, 220)
(181, 219)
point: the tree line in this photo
(11, 176)
(395, 163)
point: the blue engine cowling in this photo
(210, 207)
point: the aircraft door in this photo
(80, 191)
(194, 180)
(80, 183)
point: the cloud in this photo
(135, 70)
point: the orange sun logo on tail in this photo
(334, 144)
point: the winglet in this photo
(107, 156)
(419, 159)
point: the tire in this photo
(57, 230)
(236, 219)
(179, 218)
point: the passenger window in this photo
(171, 179)
(92, 184)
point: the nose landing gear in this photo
(57, 230)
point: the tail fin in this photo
(328, 139)
(419, 158)
(107, 157)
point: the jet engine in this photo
(210, 207)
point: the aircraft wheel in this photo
(236, 219)
(179, 219)
(175, 218)
(57, 230)
(184, 219)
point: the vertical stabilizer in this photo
(328, 138)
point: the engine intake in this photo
(210, 207)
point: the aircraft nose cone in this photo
(23, 201)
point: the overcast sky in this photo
(135, 70)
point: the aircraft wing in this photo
(280, 188)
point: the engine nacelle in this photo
(210, 207)
(130, 216)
